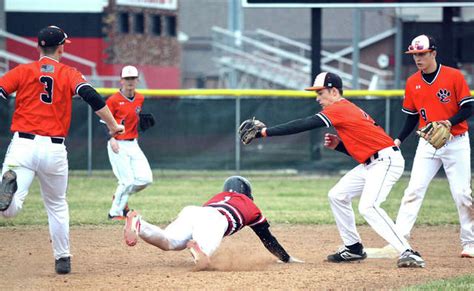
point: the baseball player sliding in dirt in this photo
(438, 93)
(41, 121)
(129, 164)
(381, 165)
(201, 228)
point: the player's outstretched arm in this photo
(95, 101)
(271, 243)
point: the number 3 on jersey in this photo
(48, 84)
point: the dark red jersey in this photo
(239, 210)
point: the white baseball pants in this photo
(132, 170)
(455, 157)
(205, 225)
(48, 161)
(372, 183)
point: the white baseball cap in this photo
(129, 71)
(421, 44)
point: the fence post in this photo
(237, 138)
(387, 115)
(89, 141)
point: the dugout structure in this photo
(196, 130)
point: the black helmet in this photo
(238, 184)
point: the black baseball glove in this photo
(250, 129)
(147, 120)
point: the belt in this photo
(130, 139)
(376, 156)
(58, 140)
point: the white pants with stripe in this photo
(205, 225)
(48, 161)
(455, 157)
(132, 170)
(372, 183)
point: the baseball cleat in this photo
(410, 259)
(345, 255)
(8, 188)
(132, 228)
(468, 251)
(201, 260)
(116, 217)
(63, 265)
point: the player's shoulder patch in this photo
(47, 68)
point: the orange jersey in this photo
(126, 111)
(438, 100)
(362, 137)
(44, 91)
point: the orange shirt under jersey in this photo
(438, 100)
(44, 91)
(361, 136)
(126, 111)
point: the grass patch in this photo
(283, 198)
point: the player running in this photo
(41, 121)
(201, 228)
(381, 165)
(129, 164)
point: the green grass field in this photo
(284, 198)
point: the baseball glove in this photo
(437, 133)
(147, 120)
(250, 129)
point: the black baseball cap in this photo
(326, 80)
(52, 36)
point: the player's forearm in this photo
(106, 116)
(410, 123)
(295, 126)
(271, 243)
(341, 148)
(464, 113)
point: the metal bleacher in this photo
(265, 59)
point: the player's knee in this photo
(10, 212)
(365, 209)
(335, 196)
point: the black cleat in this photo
(345, 255)
(63, 265)
(7, 189)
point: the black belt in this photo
(130, 139)
(58, 140)
(376, 156)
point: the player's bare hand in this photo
(331, 140)
(114, 145)
(397, 142)
(118, 129)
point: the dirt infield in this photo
(102, 261)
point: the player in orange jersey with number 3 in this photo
(40, 124)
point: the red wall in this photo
(92, 49)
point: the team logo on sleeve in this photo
(443, 95)
(138, 109)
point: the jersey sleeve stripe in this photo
(466, 100)
(262, 219)
(80, 85)
(325, 119)
(409, 111)
(3, 93)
